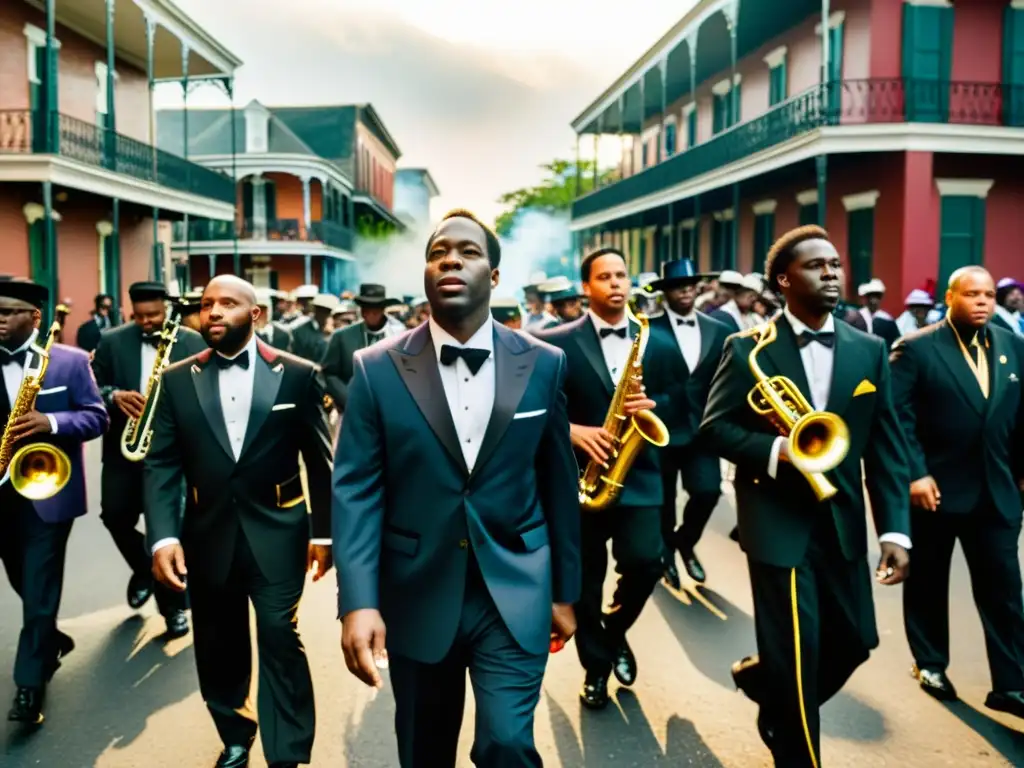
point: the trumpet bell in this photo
(39, 471)
(819, 441)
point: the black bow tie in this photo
(474, 358)
(825, 338)
(241, 360)
(606, 332)
(680, 321)
(12, 357)
(152, 339)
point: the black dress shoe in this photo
(693, 566)
(1011, 702)
(594, 693)
(177, 624)
(27, 707)
(233, 757)
(625, 665)
(748, 675)
(671, 576)
(140, 589)
(934, 683)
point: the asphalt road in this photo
(127, 699)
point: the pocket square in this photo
(51, 390)
(1013, 378)
(864, 388)
(529, 414)
(283, 406)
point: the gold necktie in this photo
(981, 367)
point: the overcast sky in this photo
(478, 92)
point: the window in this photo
(1013, 65)
(927, 61)
(35, 45)
(778, 89)
(691, 126)
(670, 138)
(722, 253)
(103, 120)
(689, 241)
(860, 246)
(720, 115)
(962, 234)
(808, 214)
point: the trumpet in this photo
(818, 440)
(37, 471)
(137, 433)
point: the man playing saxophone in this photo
(124, 365)
(806, 545)
(51, 417)
(597, 347)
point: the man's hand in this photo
(638, 401)
(594, 441)
(563, 625)
(894, 565)
(130, 403)
(362, 643)
(320, 556)
(924, 493)
(32, 423)
(169, 567)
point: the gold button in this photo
(463, 543)
(757, 481)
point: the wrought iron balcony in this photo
(289, 230)
(28, 132)
(851, 102)
(333, 234)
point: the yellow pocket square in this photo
(864, 388)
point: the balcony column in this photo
(731, 13)
(597, 149)
(111, 72)
(184, 91)
(52, 117)
(157, 266)
(579, 188)
(229, 86)
(826, 54)
(662, 136)
(259, 208)
(622, 125)
(307, 223)
(821, 168)
(50, 253)
(735, 229)
(695, 237)
(643, 116)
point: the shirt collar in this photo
(798, 327)
(250, 347)
(674, 315)
(482, 339)
(599, 323)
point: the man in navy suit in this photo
(455, 514)
(34, 534)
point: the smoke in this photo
(395, 262)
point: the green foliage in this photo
(555, 193)
(369, 228)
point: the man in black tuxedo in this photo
(123, 365)
(957, 390)
(101, 319)
(699, 341)
(275, 335)
(231, 424)
(455, 513)
(596, 347)
(813, 611)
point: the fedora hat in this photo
(374, 295)
(673, 273)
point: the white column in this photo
(307, 216)
(259, 207)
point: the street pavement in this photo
(127, 699)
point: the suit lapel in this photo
(417, 365)
(132, 359)
(846, 362)
(707, 338)
(953, 357)
(590, 345)
(266, 383)
(513, 366)
(785, 357)
(205, 380)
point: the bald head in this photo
(974, 271)
(243, 290)
(227, 313)
(971, 297)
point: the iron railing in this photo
(326, 232)
(850, 102)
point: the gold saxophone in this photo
(818, 440)
(138, 433)
(38, 470)
(600, 486)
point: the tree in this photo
(555, 193)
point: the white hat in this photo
(345, 307)
(305, 292)
(752, 282)
(326, 301)
(555, 284)
(264, 297)
(918, 298)
(874, 285)
(730, 277)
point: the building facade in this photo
(414, 189)
(82, 185)
(896, 124)
(310, 180)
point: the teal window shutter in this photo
(764, 236)
(735, 103)
(691, 129)
(720, 116)
(1013, 66)
(962, 234)
(860, 246)
(927, 62)
(777, 85)
(808, 214)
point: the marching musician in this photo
(813, 611)
(188, 309)
(123, 366)
(34, 534)
(455, 514)
(231, 423)
(267, 329)
(699, 341)
(957, 390)
(597, 347)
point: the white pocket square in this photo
(51, 390)
(283, 406)
(530, 414)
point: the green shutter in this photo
(719, 116)
(37, 253)
(764, 236)
(962, 234)
(691, 129)
(835, 71)
(110, 265)
(860, 246)
(1013, 66)
(735, 103)
(808, 214)
(777, 91)
(927, 62)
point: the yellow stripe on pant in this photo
(799, 666)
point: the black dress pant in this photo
(506, 680)
(990, 546)
(121, 486)
(815, 624)
(637, 547)
(702, 480)
(220, 625)
(33, 553)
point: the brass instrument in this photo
(818, 440)
(38, 470)
(601, 486)
(138, 433)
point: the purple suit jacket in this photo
(70, 393)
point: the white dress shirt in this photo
(14, 373)
(614, 348)
(869, 319)
(470, 398)
(687, 336)
(818, 363)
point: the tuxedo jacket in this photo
(589, 389)
(280, 337)
(776, 517)
(408, 514)
(685, 425)
(971, 445)
(117, 366)
(337, 361)
(261, 493)
(881, 327)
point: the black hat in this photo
(190, 303)
(673, 273)
(147, 291)
(374, 295)
(25, 291)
